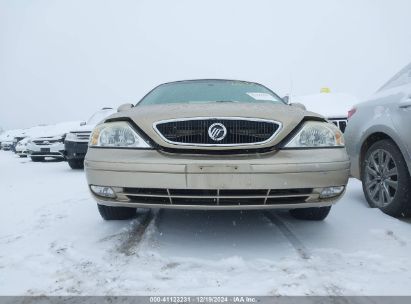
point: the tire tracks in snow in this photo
(136, 233)
(299, 247)
(304, 253)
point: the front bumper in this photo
(55, 150)
(6, 147)
(75, 150)
(21, 152)
(284, 179)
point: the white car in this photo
(49, 141)
(21, 147)
(6, 145)
(48, 146)
(333, 106)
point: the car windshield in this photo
(99, 116)
(210, 91)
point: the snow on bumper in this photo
(283, 179)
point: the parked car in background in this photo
(333, 106)
(50, 143)
(7, 139)
(76, 142)
(21, 147)
(379, 144)
(216, 144)
(16, 140)
(6, 145)
(46, 146)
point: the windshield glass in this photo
(210, 91)
(99, 116)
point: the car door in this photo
(401, 111)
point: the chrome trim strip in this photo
(280, 126)
(215, 196)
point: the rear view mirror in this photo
(125, 107)
(298, 105)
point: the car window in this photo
(401, 78)
(210, 91)
(99, 116)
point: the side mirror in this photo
(286, 98)
(298, 105)
(83, 123)
(125, 107)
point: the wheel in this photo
(37, 158)
(311, 214)
(385, 179)
(76, 163)
(116, 213)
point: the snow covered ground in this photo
(53, 242)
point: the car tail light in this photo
(351, 112)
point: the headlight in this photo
(71, 137)
(317, 134)
(116, 134)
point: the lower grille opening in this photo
(149, 200)
(147, 191)
(243, 192)
(298, 191)
(286, 200)
(241, 201)
(193, 192)
(214, 197)
(195, 201)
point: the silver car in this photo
(216, 144)
(379, 145)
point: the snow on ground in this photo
(53, 242)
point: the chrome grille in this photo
(239, 131)
(83, 135)
(46, 142)
(216, 197)
(341, 123)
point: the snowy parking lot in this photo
(54, 242)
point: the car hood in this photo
(51, 137)
(85, 128)
(144, 116)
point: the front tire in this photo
(76, 163)
(385, 179)
(311, 214)
(116, 213)
(37, 158)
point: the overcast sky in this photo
(63, 60)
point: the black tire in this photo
(311, 214)
(116, 213)
(400, 206)
(76, 163)
(37, 158)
